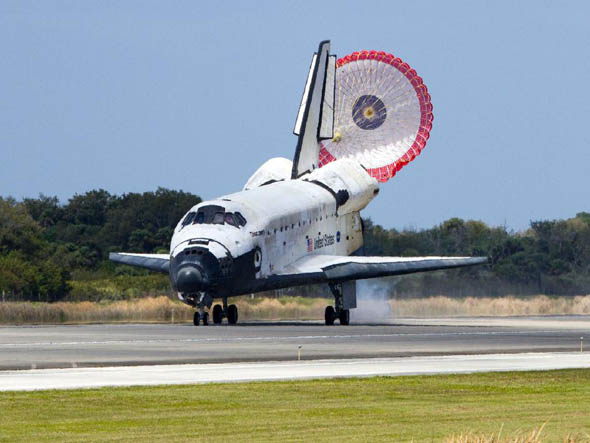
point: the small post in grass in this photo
(581, 344)
(299, 352)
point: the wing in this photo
(340, 268)
(153, 262)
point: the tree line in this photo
(550, 257)
(46, 246)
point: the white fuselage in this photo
(284, 221)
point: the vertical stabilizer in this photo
(315, 120)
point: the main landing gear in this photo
(331, 313)
(219, 313)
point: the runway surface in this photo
(162, 344)
(294, 370)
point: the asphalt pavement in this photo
(78, 346)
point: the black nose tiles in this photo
(189, 279)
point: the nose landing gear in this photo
(201, 316)
(219, 313)
(201, 301)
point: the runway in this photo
(166, 344)
(71, 378)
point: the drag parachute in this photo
(383, 114)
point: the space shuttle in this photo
(297, 222)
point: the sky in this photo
(129, 96)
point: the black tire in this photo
(196, 319)
(232, 314)
(344, 317)
(217, 314)
(329, 315)
(206, 319)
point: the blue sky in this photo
(129, 96)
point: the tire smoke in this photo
(373, 301)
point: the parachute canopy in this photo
(383, 114)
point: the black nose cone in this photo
(189, 279)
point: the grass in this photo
(490, 306)
(520, 406)
(163, 309)
(149, 309)
(153, 309)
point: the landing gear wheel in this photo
(196, 319)
(344, 317)
(232, 314)
(329, 315)
(217, 314)
(206, 319)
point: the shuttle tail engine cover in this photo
(349, 182)
(383, 114)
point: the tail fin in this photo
(315, 120)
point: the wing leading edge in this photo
(338, 268)
(153, 262)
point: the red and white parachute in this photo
(382, 113)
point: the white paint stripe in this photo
(277, 338)
(240, 372)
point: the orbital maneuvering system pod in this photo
(362, 118)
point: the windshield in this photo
(218, 218)
(215, 215)
(188, 219)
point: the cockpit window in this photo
(216, 215)
(218, 218)
(240, 218)
(188, 219)
(205, 214)
(230, 219)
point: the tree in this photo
(44, 210)
(18, 230)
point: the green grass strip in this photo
(419, 408)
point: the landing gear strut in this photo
(338, 312)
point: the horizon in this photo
(128, 97)
(408, 228)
